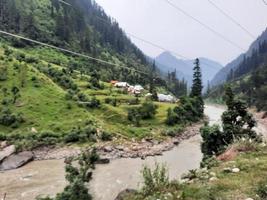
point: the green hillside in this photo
(43, 99)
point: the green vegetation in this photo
(248, 80)
(54, 105)
(237, 123)
(78, 177)
(191, 109)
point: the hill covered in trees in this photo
(77, 25)
(249, 77)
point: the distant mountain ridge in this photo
(221, 76)
(167, 62)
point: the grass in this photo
(44, 106)
(228, 186)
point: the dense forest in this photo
(80, 26)
(249, 79)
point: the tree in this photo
(15, 92)
(77, 177)
(237, 122)
(196, 90)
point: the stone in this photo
(108, 149)
(16, 160)
(227, 170)
(120, 148)
(213, 179)
(212, 174)
(103, 161)
(235, 170)
(125, 193)
(249, 199)
(3, 144)
(7, 152)
(33, 130)
(176, 142)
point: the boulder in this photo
(17, 160)
(103, 161)
(125, 193)
(3, 144)
(235, 170)
(108, 149)
(7, 152)
(120, 148)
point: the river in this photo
(47, 177)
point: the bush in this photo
(148, 110)
(213, 140)
(134, 116)
(7, 118)
(155, 180)
(173, 132)
(262, 190)
(105, 136)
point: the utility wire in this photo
(151, 43)
(68, 51)
(157, 46)
(64, 2)
(231, 19)
(204, 25)
(264, 2)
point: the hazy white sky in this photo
(158, 22)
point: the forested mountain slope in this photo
(222, 75)
(78, 25)
(249, 78)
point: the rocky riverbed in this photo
(127, 149)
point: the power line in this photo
(204, 25)
(64, 2)
(69, 51)
(264, 2)
(151, 43)
(231, 19)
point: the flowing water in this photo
(47, 177)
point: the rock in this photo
(213, 174)
(213, 179)
(120, 148)
(108, 149)
(249, 199)
(33, 130)
(17, 160)
(176, 142)
(125, 193)
(7, 152)
(227, 170)
(3, 144)
(103, 161)
(235, 170)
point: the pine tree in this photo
(197, 81)
(196, 91)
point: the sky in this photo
(159, 23)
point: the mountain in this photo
(167, 62)
(247, 75)
(77, 25)
(221, 76)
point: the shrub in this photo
(262, 190)
(213, 140)
(105, 136)
(148, 110)
(155, 180)
(134, 116)
(7, 118)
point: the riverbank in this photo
(46, 177)
(126, 149)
